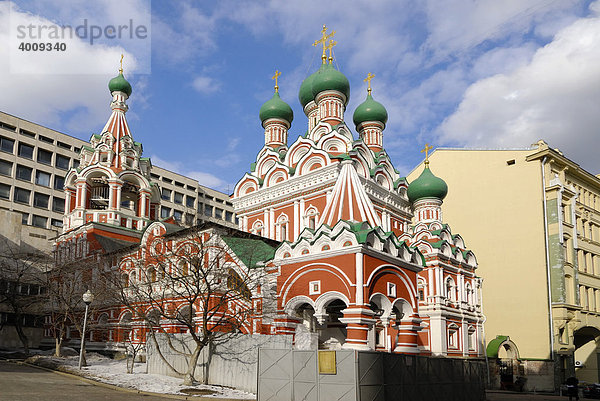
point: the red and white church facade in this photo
(359, 258)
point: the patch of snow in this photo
(110, 371)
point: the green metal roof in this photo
(370, 110)
(494, 346)
(249, 250)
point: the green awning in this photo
(494, 346)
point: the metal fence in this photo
(289, 375)
(231, 363)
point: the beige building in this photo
(34, 161)
(532, 216)
(23, 242)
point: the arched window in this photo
(450, 289)
(257, 228)
(472, 339)
(183, 268)
(311, 217)
(469, 292)
(282, 228)
(235, 282)
(421, 288)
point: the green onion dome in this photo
(305, 95)
(276, 108)
(370, 110)
(328, 78)
(119, 84)
(427, 186)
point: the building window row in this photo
(589, 298)
(40, 200)
(588, 262)
(43, 156)
(25, 173)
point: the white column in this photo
(272, 223)
(431, 282)
(438, 281)
(359, 279)
(302, 211)
(266, 231)
(296, 220)
(465, 338)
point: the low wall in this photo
(233, 362)
(367, 376)
(10, 339)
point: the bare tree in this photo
(22, 293)
(194, 283)
(67, 280)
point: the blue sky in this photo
(499, 74)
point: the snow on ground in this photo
(114, 372)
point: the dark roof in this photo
(109, 244)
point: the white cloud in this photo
(205, 84)
(206, 179)
(71, 97)
(210, 180)
(554, 97)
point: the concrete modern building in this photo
(533, 218)
(23, 242)
(34, 161)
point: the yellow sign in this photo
(327, 363)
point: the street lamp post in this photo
(88, 297)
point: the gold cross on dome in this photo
(426, 151)
(121, 68)
(330, 48)
(323, 41)
(275, 77)
(368, 79)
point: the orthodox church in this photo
(354, 256)
(365, 260)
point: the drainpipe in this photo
(550, 316)
(487, 362)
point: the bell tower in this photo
(112, 183)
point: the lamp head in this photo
(88, 297)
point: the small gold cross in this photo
(121, 68)
(275, 77)
(330, 48)
(426, 151)
(368, 79)
(323, 41)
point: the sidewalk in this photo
(497, 395)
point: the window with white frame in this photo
(421, 290)
(391, 290)
(450, 289)
(314, 287)
(282, 228)
(257, 228)
(472, 339)
(453, 336)
(469, 292)
(311, 217)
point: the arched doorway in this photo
(586, 341)
(306, 336)
(333, 334)
(506, 354)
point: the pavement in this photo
(492, 395)
(23, 382)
